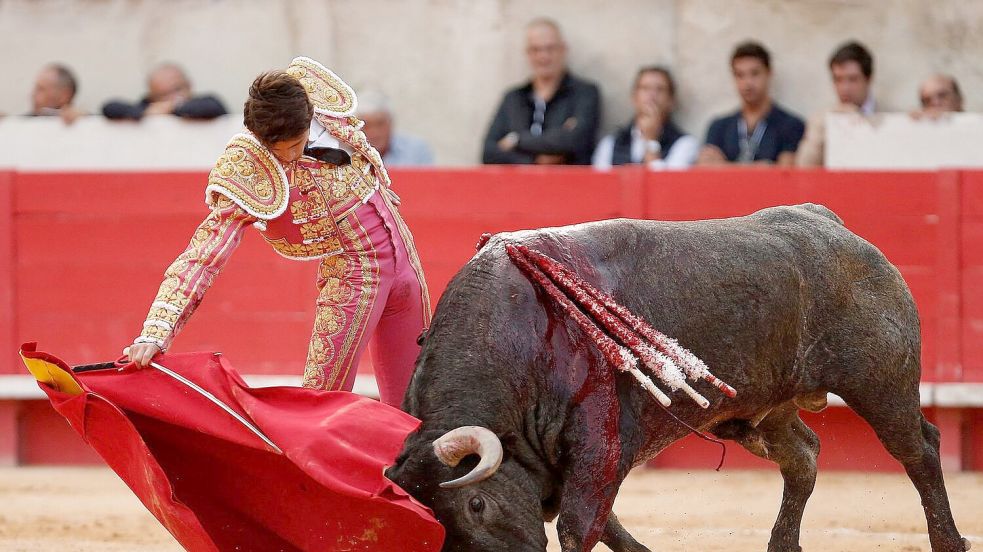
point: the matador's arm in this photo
(191, 274)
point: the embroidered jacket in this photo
(297, 208)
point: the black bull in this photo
(785, 305)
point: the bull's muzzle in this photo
(454, 445)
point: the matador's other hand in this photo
(141, 353)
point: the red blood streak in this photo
(607, 346)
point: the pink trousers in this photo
(374, 289)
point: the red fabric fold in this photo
(217, 486)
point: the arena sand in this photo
(89, 510)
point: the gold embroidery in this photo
(311, 206)
(321, 229)
(155, 332)
(334, 291)
(333, 267)
(329, 246)
(303, 180)
(330, 319)
(222, 202)
(248, 174)
(187, 278)
(368, 266)
(328, 93)
(347, 130)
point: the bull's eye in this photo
(476, 504)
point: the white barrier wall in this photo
(886, 141)
(897, 141)
(446, 62)
(93, 143)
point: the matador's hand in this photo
(141, 353)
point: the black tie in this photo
(329, 155)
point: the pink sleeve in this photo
(191, 274)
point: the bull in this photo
(523, 421)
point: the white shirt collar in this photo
(869, 106)
(320, 138)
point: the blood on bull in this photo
(528, 415)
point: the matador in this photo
(331, 202)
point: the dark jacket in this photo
(198, 107)
(569, 129)
(782, 134)
(621, 154)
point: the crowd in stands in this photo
(554, 117)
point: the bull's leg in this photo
(593, 473)
(618, 539)
(784, 439)
(897, 419)
(585, 506)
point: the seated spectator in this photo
(760, 131)
(940, 94)
(397, 149)
(168, 93)
(54, 91)
(651, 137)
(553, 118)
(852, 69)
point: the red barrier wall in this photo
(971, 265)
(81, 256)
(8, 314)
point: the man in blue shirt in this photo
(760, 131)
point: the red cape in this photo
(217, 486)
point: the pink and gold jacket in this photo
(296, 207)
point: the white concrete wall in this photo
(446, 62)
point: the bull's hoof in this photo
(966, 544)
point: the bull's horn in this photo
(454, 445)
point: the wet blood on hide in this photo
(631, 330)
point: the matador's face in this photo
(290, 150)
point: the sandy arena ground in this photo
(89, 509)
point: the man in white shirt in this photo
(852, 68)
(651, 138)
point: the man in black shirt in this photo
(168, 93)
(553, 118)
(760, 131)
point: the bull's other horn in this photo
(454, 445)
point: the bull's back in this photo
(752, 295)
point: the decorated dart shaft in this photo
(661, 365)
(616, 355)
(690, 363)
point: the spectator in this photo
(553, 118)
(54, 91)
(397, 149)
(760, 131)
(651, 137)
(940, 94)
(168, 93)
(852, 69)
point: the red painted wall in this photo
(81, 256)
